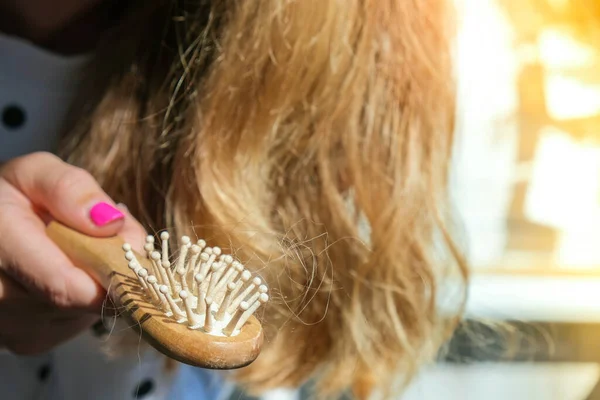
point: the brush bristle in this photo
(201, 287)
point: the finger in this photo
(26, 338)
(15, 300)
(10, 290)
(69, 194)
(42, 268)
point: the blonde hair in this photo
(311, 138)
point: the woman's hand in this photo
(44, 298)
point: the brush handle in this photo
(103, 259)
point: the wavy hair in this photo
(312, 138)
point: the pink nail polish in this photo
(103, 213)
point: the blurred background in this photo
(528, 173)
(527, 186)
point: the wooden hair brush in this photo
(196, 308)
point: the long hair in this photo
(310, 138)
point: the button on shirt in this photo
(36, 89)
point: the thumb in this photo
(69, 194)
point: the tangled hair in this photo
(312, 139)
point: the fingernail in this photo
(103, 213)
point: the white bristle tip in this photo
(216, 251)
(246, 275)
(183, 294)
(181, 270)
(129, 255)
(263, 298)
(263, 289)
(228, 259)
(132, 264)
(155, 255)
(126, 247)
(164, 235)
(231, 285)
(208, 250)
(198, 278)
(142, 272)
(201, 243)
(149, 239)
(166, 264)
(195, 249)
(164, 289)
(204, 257)
(244, 305)
(152, 279)
(256, 281)
(185, 240)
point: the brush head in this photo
(196, 305)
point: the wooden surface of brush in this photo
(142, 295)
